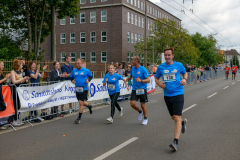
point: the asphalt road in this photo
(213, 131)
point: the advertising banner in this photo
(151, 85)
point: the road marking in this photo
(189, 108)
(212, 95)
(233, 83)
(105, 155)
(226, 87)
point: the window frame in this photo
(63, 38)
(81, 57)
(71, 20)
(93, 57)
(71, 38)
(82, 13)
(73, 56)
(93, 17)
(63, 57)
(103, 57)
(103, 36)
(92, 37)
(61, 22)
(103, 16)
(83, 37)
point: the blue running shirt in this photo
(171, 76)
(80, 76)
(142, 73)
(113, 82)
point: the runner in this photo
(227, 69)
(234, 70)
(81, 77)
(112, 81)
(139, 88)
(173, 91)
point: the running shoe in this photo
(77, 121)
(90, 109)
(184, 127)
(144, 122)
(140, 116)
(173, 146)
(109, 119)
(121, 112)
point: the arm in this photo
(184, 80)
(5, 78)
(105, 82)
(125, 83)
(129, 78)
(147, 80)
(44, 67)
(162, 85)
(14, 81)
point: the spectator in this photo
(148, 69)
(2, 79)
(120, 70)
(24, 69)
(154, 69)
(35, 79)
(67, 70)
(116, 64)
(187, 68)
(56, 75)
(127, 74)
(17, 79)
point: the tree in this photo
(234, 61)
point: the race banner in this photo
(9, 111)
(151, 85)
(41, 97)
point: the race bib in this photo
(79, 89)
(140, 91)
(169, 77)
(111, 86)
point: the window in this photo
(103, 0)
(93, 74)
(92, 1)
(129, 17)
(102, 74)
(153, 11)
(62, 21)
(127, 1)
(72, 37)
(132, 2)
(82, 1)
(136, 20)
(156, 13)
(136, 38)
(148, 24)
(150, 10)
(93, 37)
(83, 56)
(63, 54)
(147, 8)
(139, 21)
(128, 37)
(82, 17)
(142, 22)
(104, 36)
(142, 5)
(151, 27)
(72, 54)
(63, 38)
(103, 57)
(132, 18)
(92, 17)
(103, 16)
(135, 3)
(132, 36)
(82, 37)
(138, 3)
(139, 38)
(93, 57)
(72, 20)
(128, 57)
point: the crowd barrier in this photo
(43, 101)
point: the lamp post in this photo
(152, 35)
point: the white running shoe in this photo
(140, 116)
(109, 119)
(121, 112)
(144, 122)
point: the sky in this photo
(219, 17)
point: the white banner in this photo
(40, 97)
(151, 85)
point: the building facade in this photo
(105, 31)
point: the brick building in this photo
(105, 31)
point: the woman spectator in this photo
(56, 75)
(120, 70)
(2, 79)
(34, 78)
(17, 79)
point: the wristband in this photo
(141, 81)
(185, 79)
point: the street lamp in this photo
(152, 35)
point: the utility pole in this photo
(145, 35)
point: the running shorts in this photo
(143, 97)
(175, 104)
(82, 96)
(233, 72)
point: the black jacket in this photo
(55, 77)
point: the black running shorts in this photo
(143, 97)
(175, 104)
(233, 72)
(82, 96)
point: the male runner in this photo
(227, 69)
(173, 91)
(234, 70)
(80, 77)
(140, 77)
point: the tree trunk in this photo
(53, 40)
(29, 28)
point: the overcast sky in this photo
(220, 16)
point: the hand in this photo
(73, 81)
(38, 67)
(8, 76)
(138, 79)
(127, 88)
(162, 85)
(87, 81)
(45, 67)
(183, 82)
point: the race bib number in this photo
(140, 91)
(111, 86)
(79, 89)
(169, 77)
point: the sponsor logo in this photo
(26, 95)
(114, 79)
(98, 88)
(76, 73)
(81, 73)
(138, 72)
(174, 71)
(166, 71)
